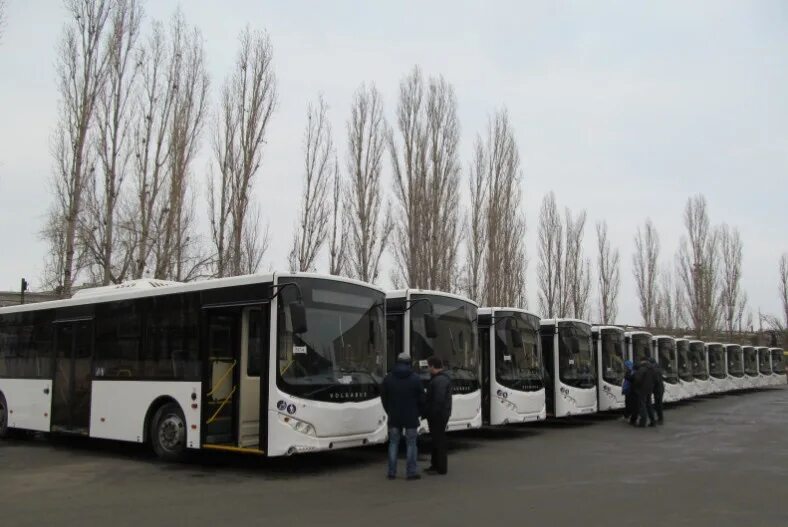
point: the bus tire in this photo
(4, 430)
(168, 433)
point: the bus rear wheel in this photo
(168, 433)
(3, 417)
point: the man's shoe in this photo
(414, 476)
(652, 424)
(432, 471)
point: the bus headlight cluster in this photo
(298, 425)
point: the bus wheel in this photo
(3, 417)
(168, 433)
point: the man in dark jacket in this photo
(403, 400)
(437, 413)
(659, 389)
(643, 382)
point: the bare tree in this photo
(426, 182)
(176, 244)
(551, 257)
(732, 298)
(106, 241)
(779, 322)
(152, 146)
(505, 257)
(667, 309)
(319, 165)
(476, 241)
(644, 263)
(247, 104)
(369, 224)
(576, 268)
(698, 268)
(81, 70)
(609, 277)
(2, 19)
(338, 237)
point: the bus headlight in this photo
(298, 425)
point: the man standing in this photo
(437, 413)
(659, 389)
(403, 400)
(643, 382)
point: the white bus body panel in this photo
(118, 408)
(610, 396)
(466, 411)
(334, 425)
(672, 393)
(702, 387)
(516, 406)
(753, 381)
(574, 401)
(780, 380)
(686, 390)
(29, 403)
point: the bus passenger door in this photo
(223, 326)
(253, 373)
(72, 376)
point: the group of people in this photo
(405, 402)
(643, 390)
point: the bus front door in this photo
(72, 376)
(223, 327)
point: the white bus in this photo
(663, 349)
(434, 323)
(778, 366)
(512, 373)
(751, 373)
(638, 346)
(272, 364)
(700, 367)
(765, 377)
(570, 379)
(609, 355)
(686, 377)
(718, 368)
(735, 361)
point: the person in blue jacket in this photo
(627, 388)
(404, 401)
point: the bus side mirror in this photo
(430, 325)
(298, 317)
(517, 339)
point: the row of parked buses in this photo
(281, 364)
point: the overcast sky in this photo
(622, 108)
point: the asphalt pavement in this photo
(717, 461)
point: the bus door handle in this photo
(46, 390)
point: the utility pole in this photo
(23, 288)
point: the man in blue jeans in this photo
(403, 400)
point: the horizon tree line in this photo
(134, 106)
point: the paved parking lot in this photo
(718, 461)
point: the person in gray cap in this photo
(403, 399)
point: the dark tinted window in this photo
(172, 349)
(256, 343)
(26, 345)
(118, 339)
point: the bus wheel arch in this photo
(165, 428)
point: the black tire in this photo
(168, 433)
(4, 430)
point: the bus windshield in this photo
(612, 356)
(341, 355)
(778, 361)
(640, 347)
(518, 362)
(764, 366)
(455, 343)
(685, 365)
(717, 361)
(750, 361)
(575, 360)
(735, 361)
(666, 353)
(698, 358)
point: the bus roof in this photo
(407, 293)
(145, 288)
(595, 329)
(490, 310)
(554, 321)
